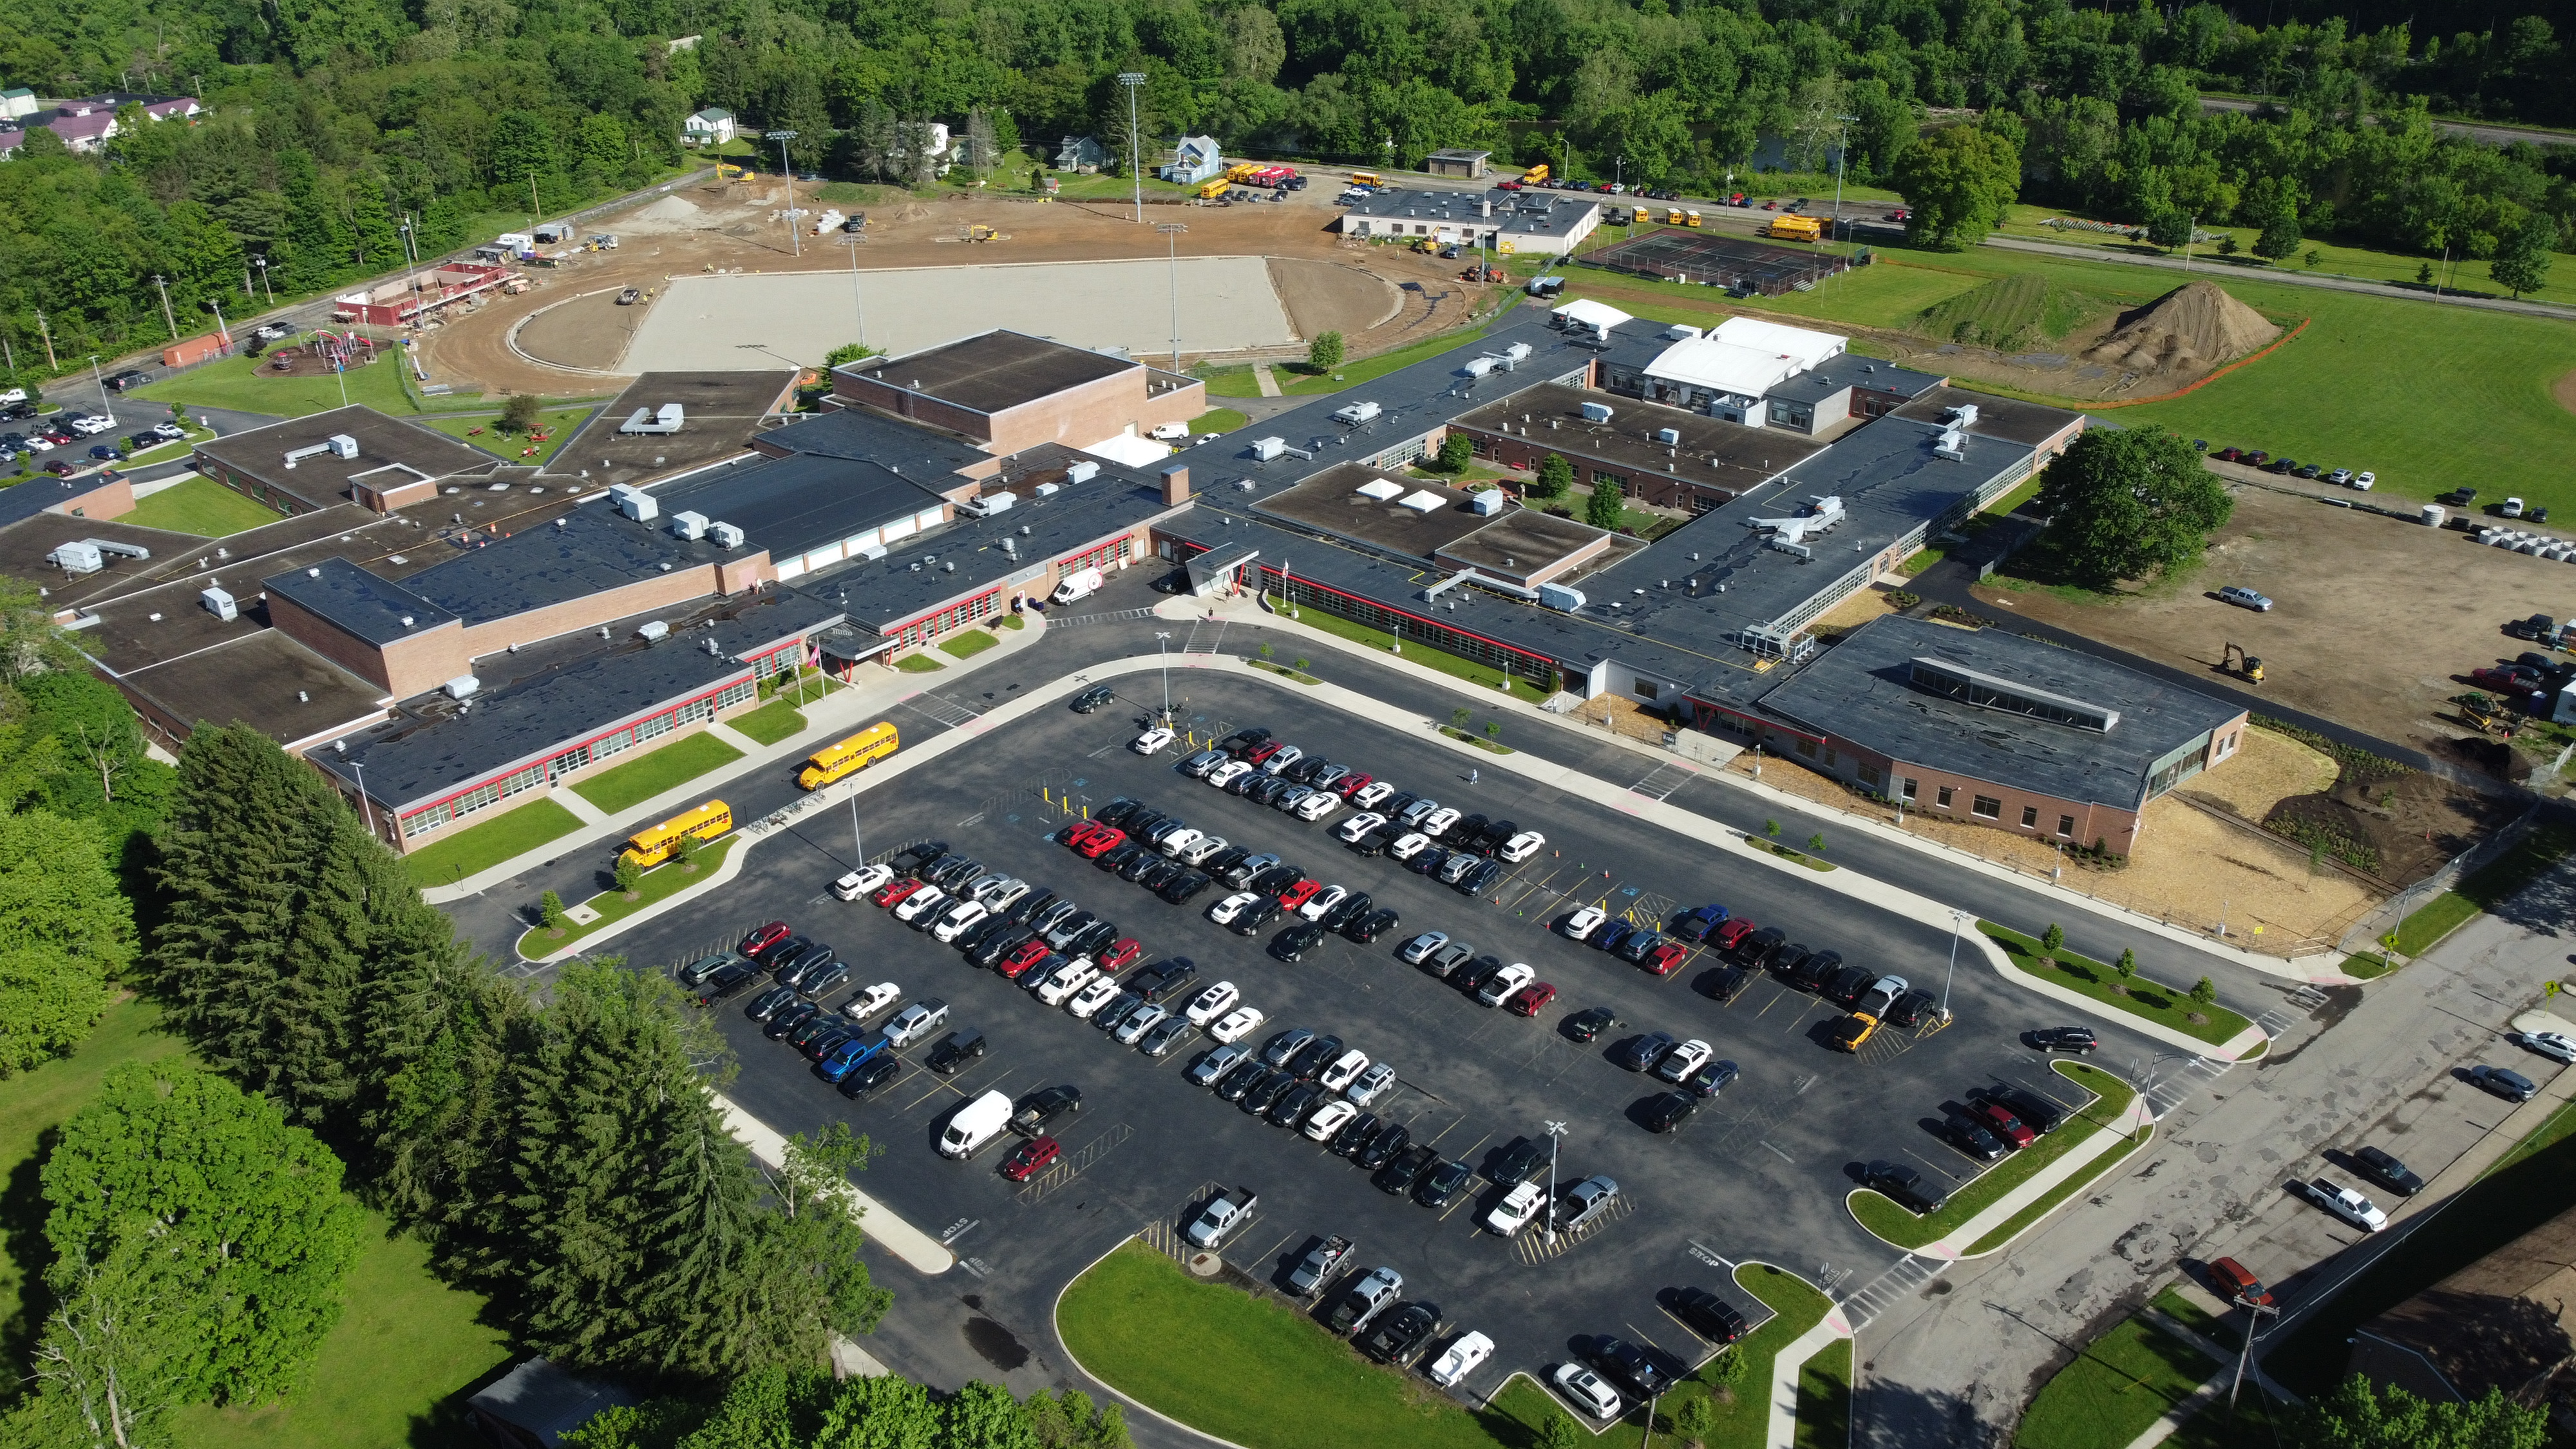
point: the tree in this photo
(2123, 503)
(1457, 452)
(629, 874)
(550, 911)
(1555, 475)
(1560, 1432)
(1324, 353)
(1957, 182)
(2052, 939)
(849, 352)
(1608, 505)
(248, 1208)
(65, 932)
(2279, 237)
(1816, 842)
(519, 412)
(2357, 1416)
(2168, 229)
(2523, 264)
(112, 1364)
(2127, 965)
(2227, 244)
(1696, 1419)
(2205, 992)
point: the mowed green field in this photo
(2429, 397)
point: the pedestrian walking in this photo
(1473, 774)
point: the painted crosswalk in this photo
(1909, 1274)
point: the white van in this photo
(975, 1126)
(1077, 587)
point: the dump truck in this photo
(1796, 228)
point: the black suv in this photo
(955, 1050)
(1158, 981)
(1710, 1316)
(1911, 1190)
(1093, 698)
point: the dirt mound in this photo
(2399, 829)
(2187, 330)
(668, 215)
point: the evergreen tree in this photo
(2279, 237)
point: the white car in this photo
(1371, 1085)
(91, 426)
(1408, 846)
(1318, 805)
(2364, 480)
(1517, 1210)
(1214, 1002)
(1506, 981)
(1345, 1070)
(1682, 1060)
(1200, 849)
(1151, 740)
(1325, 900)
(1227, 773)
(2556, 1046)
(1358, 825)
(1143, 1020)
(872, 1000)
(1463, 1358)
(1225, 911)
(1069, 978)
(955, 922)
(1287, 755)
(1584, 1389)
(1329, 1119)
(1237, 1024)
(1521, 847)
(38, 443)
(1584, 922)
(1367, 796)
(1086, 1003)
(1180, 840)
(920, 903)
(1437, 823)
(861, 881)
(1420, 947)
(1001, 895)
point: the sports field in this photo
(725, 322)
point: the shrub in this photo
(630, 876)
(1325, 352)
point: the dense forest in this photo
(333, 122)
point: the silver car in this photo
(1587, 1200)
(1217, 1063)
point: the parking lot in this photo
(1759, 1173)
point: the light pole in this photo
(1171, 231)
(166, 315)
(223, 334)
(854, 238)
(262, 264)
(858, 841)
(370, 810)
(1957, 919)
(1555, 1131)
(1135, 154)
(102, 389)
(795, 242)
(1162, 652)
(1842, 153)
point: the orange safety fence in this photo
(2277, 344)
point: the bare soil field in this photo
(2375, 623)
(1378, 297)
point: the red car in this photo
(1030, 1158)
(1080, 831)
(2234, 1280)
(1507, 186)
(1299, 894)
(1530, 999)
(2506, 678)
(1100, 842)
(1121, 953)
(1263, 751)
(763, 937)
(1732, 934)
(1351, 784)
(2001, 1121)
(2230, 455)
(1667, 958)
(893, 892)
(1025, 955)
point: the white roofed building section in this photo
(1807, 347)
(1713, 365)
(1587, 313)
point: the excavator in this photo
(2241, 664)
(978, 232)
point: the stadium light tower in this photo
(1131, 79)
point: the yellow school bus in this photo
(1365, 178)
(847, 758)
(1214, 189)
(1535, 175)
(655, 844)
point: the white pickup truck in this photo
(1225, 1213)
(2344, 1203)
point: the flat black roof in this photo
(347, 596)
(916, 450)
(264, 679)
(1521, 540)
(588, 550)
(1711, 451)
(1851, 371)
(791, 506)
(322, 479)
(433, 750)
(993, 372)
(723, 411)
(1861, 689)
(2008, 418)
(26, 500)
(1331, 502)
(1515, 213)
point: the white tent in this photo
(1129, 449)
(1803, 346)
(1722, 367)
(1591, 314)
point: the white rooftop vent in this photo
(1963, 416)
(220, 603)
(1669, 437)
(992, 503)
(1381, 490)
(1681, 331)
(1265, 449)
(463, 686)
(1517, 352)
(1594, 412)
(1952, 445)
(726, 535)
(1082, 472)
(654, 631)
(1047, 490)
(688, 525)
(634, 502)
(1486, 502)
(341, 445)
(1358, 412)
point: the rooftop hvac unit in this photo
(992, 503)
(1265, 449)
(1952, 445)
(654, 631)
(1669, 437)
(1558, 596)
(1963, 416)
(1482, 365)
(1517, 352)
(1358, 412)
(634, 502)
(77, 558)
(870, 551)
(1682, 332)
(1082, 472)
(463, 686)
(1596, 412)
(688, 525)
(1486, 502)
(1046, 490)
(726, 535)
(341, 445)
(220, 603)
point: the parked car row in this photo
(2363, 480)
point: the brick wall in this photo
(664, 591)
(402, 668)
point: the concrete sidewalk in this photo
(919, 1250)
(1782, 1430)
(2132, 1120)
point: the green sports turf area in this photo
(203, 507)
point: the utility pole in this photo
(1135, 153)
(854, 238)
(1842, 154)
(536, 208)
(101, 384)
(2253, 1319)
(795, 242)
(1162, 652)
(1555, 1133)
(363, 803)
(165, 306)
(1171, 231)
(271, 292)
(47, 333)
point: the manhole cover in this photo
(1206, 1265)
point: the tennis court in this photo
(1711, 259)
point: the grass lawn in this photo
(1352, 374)
(1882, 1216)
(1219, 420)
(2483, 889)
(480, 847)
(201, 506)
(660, 883)
(1421, 653)
(968, 644)
(237, 383)
(481, 430)
(2120, 1385)
(2189, 1314)
(1824, 1398)
(2167, 1006)
(1226, 382)
(667, 768)
(770, 723)
(394, 1370)
(919, 664)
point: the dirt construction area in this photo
(2375, 622)
(1377, 297)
